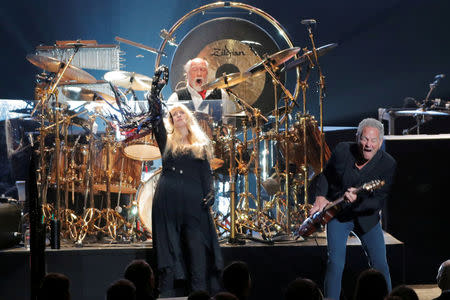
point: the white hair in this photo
(187, 66)
(370, 122)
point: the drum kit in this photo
(81, 169)
(89, 173)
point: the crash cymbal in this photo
(309, 55)
(227, 81)
(274, 60)
(129, 80)
(53, 65)
(78, 93)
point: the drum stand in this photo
(113, 219)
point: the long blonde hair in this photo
(199, 143)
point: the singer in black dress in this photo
(184, 235)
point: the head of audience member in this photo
(54, 286)
(404, 292)
(122, 289)
(369, 136)
(236, 279)
(225, 296)
(370, 285)
(199, 295)
(443, 276)
(141, 275)
(196, 71)
(303, 288)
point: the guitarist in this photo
(350, 165)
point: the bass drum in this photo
(144, 198)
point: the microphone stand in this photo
(321, 93)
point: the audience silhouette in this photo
(404, 292)
(236, 279)
(54, 286)
(141, 275)
(122, 289)
(443, 280)
(303, 288)
(370, 285)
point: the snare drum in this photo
(144, 198)
(142, 148)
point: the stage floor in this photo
(93, 267)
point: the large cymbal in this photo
(129, 80)
(53, 65)
(78, 93)
(273, 60)
(227, 80)
(309, 55)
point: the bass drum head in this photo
(218, 42)
(145, 199)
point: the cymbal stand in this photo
(243, 168)
(232, 172)
(321, 93)
(91, 214)
(68, 217)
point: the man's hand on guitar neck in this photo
(350, 195)
(319, 205)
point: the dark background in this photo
(388, 49)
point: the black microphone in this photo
(308, 22)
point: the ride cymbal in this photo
(77, 93)
(53, 65)
(227, 81)
(129, 80)
(273, 60)
(309, 55)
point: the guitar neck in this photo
(339, 200)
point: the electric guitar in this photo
(320, 218)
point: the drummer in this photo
(196, 72)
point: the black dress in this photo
(184, 235)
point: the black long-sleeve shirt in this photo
(341, 173)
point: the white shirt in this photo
(228, 107)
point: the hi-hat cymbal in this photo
(53, 65)
(273, 60)
(129, 80)
(227, 81)
(78, 93)
(241, 114)
(309, 55)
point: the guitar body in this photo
(320, 218)
(316, 221)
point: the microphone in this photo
(308, 22)
(437, 78)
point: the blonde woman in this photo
(184, 236)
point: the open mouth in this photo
(199, 81)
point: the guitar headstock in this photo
(372, 185)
